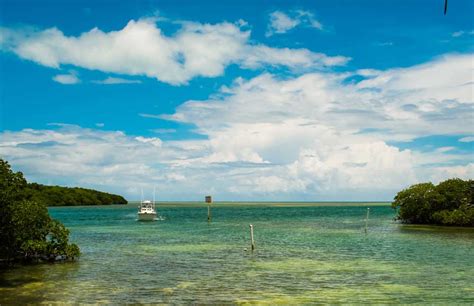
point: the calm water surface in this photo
(305, 254)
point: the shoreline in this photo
(244, 203)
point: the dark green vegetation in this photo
(27, 232)
(64, 196)
(449, 203)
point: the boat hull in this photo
(146, 216)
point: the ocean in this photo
(305, 253)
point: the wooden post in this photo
(367, 220)
(208, 200)
(251, 238)
(209, 213)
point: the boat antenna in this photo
(142, 195)
(154, 188)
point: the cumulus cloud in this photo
(66, 79)
(117, 162)
(142, 49)
(62, 154)
(314, 136)
(397, 104)
(316, 119)
(281, 22)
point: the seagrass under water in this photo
(305, 253)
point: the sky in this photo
(244, 100)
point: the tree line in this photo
(449, 203)
(66, 196)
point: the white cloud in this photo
(445, 149)
(142, 49)
(281, 22)
(431, 98)
(462, 33)
(261, 55)
(298, 137)
(113, 81)
(66, 79)
(149, 116)
(400, 103)
(116, 162)
(304, 131)
(307, 18)
(467, 139)
(465, 172)
(153, 140)
(271, 138)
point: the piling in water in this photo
(367, 220)
(208, 200)
(209, 216)
(252, 241)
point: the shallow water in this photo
(305, 253)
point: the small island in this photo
(450, 203)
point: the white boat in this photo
(146, 211)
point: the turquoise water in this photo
(305, 253)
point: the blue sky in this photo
(385, 78)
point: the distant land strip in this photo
(71, 196)
(271, 203)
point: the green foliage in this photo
(464, 216)
(64, 196)
(415, 203)
(10, 183)
(27, 232)
(448, 203)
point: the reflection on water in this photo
(305, 254)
